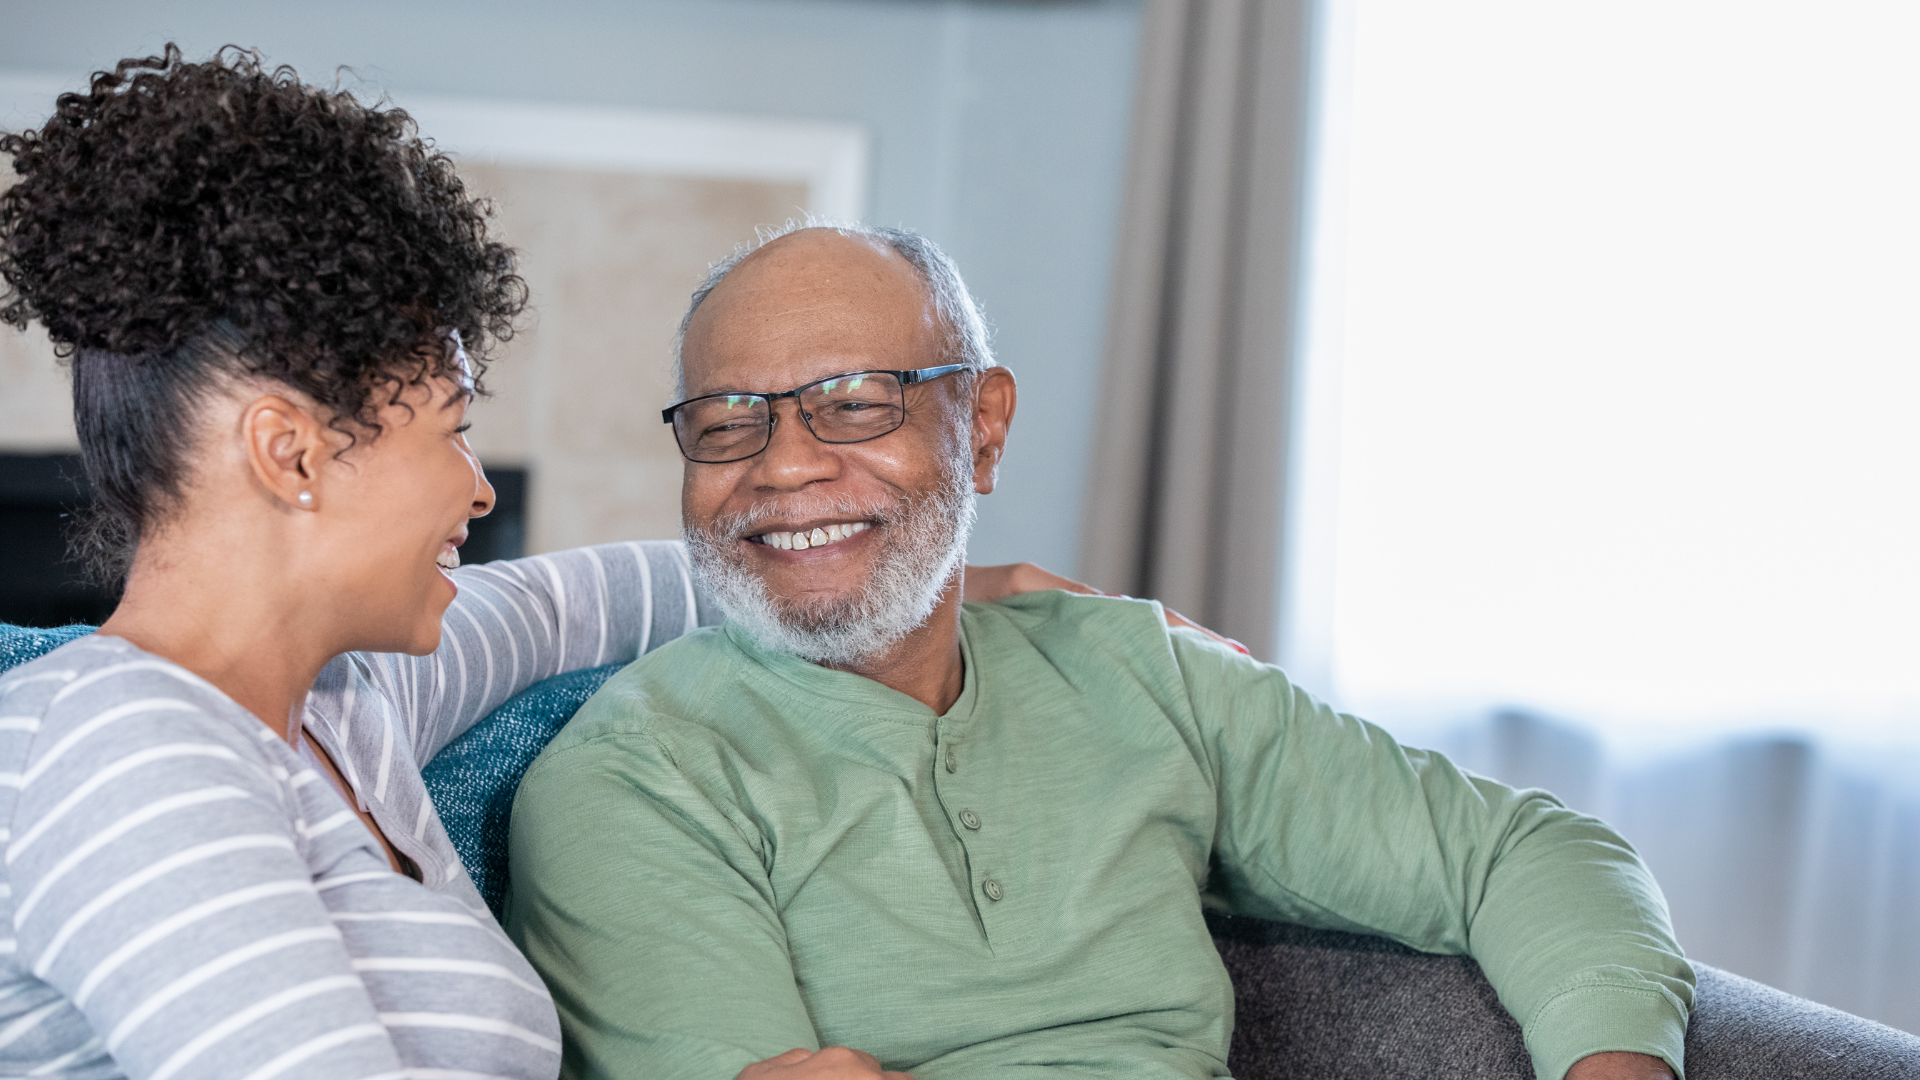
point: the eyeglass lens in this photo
(850, 408)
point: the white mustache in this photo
(755, 519)
(912, 568)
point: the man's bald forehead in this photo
(866, 292)
(824, 239)
(816, 256)
(886, 277)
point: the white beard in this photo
(923, 541)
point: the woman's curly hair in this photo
(178, 223)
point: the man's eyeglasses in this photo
(850, 408)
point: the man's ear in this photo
(994, 398)
(285, 444)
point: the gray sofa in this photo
(1330, 1006)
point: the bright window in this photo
(1627, 331)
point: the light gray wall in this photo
(999, 129)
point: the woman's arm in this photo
(516, 622)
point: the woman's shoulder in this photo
(106, 687)
(99, 738)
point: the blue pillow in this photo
(473, 780)
(19, 644)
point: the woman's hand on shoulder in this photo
(985, 584)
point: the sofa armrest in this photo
(1330, 1006)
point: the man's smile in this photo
(813, 536)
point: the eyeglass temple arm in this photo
(908, 378)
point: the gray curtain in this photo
(1186, 500)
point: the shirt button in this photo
(970, 819)
(953, 760)
(991, 887)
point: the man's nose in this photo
(793, 457)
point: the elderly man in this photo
(969, 841)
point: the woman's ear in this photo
(284, 445)
(994, 398)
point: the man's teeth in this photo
(820, 537)
(449, 559)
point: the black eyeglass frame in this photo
(905, 378)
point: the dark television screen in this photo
(41, 586)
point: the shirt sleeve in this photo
(159, 885)
(1325, 820)
(627, 878)
(519, 621)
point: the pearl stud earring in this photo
(306, 498)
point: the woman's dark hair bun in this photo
(178, 221)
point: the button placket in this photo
(990, 886)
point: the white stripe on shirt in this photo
(104, 776)
(12, 1032)
(162, 930)
(224, 962)
(158, 808)
(463, 1022)
(446, 967)
(145, 875)
(108, 716)
(315, 1046)
(293, 995)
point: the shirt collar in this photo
(858, 690)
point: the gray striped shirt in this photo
(187, 897)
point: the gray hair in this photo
(964, 328)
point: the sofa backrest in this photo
(19, 644)
(473, 780)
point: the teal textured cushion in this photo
(19, 644)
(473, 780)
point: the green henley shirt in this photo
(730, 853)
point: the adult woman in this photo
(263, 288)
(278, 304)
